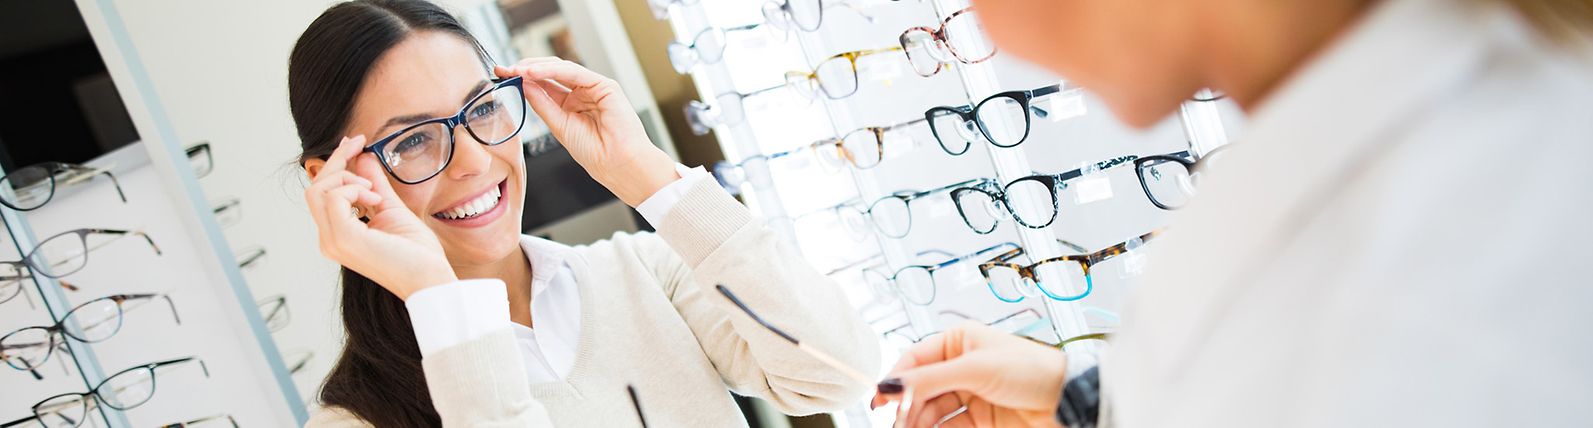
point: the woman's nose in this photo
(470, 157)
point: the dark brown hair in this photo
(378, 377)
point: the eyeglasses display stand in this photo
(1099, 206)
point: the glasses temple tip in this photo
(743, 306)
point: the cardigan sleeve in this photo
(715, 240)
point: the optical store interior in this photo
(847, 186)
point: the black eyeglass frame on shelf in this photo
(96, 396)
(49, 170)
(970, 114)
(55, 333)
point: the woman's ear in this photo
(313, 166)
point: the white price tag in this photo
(1133, 264)
(1065, 105)
(940, 207)
(751, 40)
(884, 69)
(963, 275)
(1091, 188)
(897, 144)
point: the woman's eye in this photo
(411, 143)
(484, 109)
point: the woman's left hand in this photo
(594, 121)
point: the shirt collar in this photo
(547, 260)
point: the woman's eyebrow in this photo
(410, 119)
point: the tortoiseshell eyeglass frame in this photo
(1053, 182)
(812, 77)
(939, 36)
(838, 145)
(1085, 261)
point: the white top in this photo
(451, 314)
(1401, 239)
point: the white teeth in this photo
(474, 207)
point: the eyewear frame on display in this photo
(274, 310)
(863, 148)
(390, 163)
(34, 264)
(228, 212)
(905, 198)
(732, 176)
(938, 36)
(971, 118)
(96, 396)
(41, 181)
(251, 256)
(48, 338)
(809, 83)
(781, 15)
(706, 47)
(998, 199)
(299, 361)
(926, 273)
(200, 160)
(1028, 273)
(1187, 172)
(730, 110)
(212, 418)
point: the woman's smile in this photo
(476, 211)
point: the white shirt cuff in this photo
(657, 206)
(457, 312)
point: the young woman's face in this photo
(432, 75)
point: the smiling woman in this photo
(403, 123)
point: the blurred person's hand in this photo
(590, 116)
(1004, 380)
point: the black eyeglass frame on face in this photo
(970, 114)
(455, 121)
(97, 398)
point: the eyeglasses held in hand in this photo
(836, 76)
(1002, 119)
(200, 160)
(892, 215)
(32, 186)
(423, 149)
(731, 110)
(228, 212)
(91, 322)
(275, 312)
(707, 47)
(124, 390)
(916, 284)
(212, 420)
(960, 37)
(1169, 180)
(1053, 277)
(811, 351)
(67, 252)
(984, 204)
(805, 15)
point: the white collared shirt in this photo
(454, 313)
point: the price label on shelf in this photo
(1091, 188)
(884, 69)
(1064, 105)
(963, 276)
(941, 207)
(752, 40)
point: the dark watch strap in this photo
(1081, 400)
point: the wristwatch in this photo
(1081, 400)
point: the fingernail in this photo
(890, 386)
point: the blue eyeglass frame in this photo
(455, 121)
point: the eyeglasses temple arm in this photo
(815, 353)
(636, 404)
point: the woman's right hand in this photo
(394, 248)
